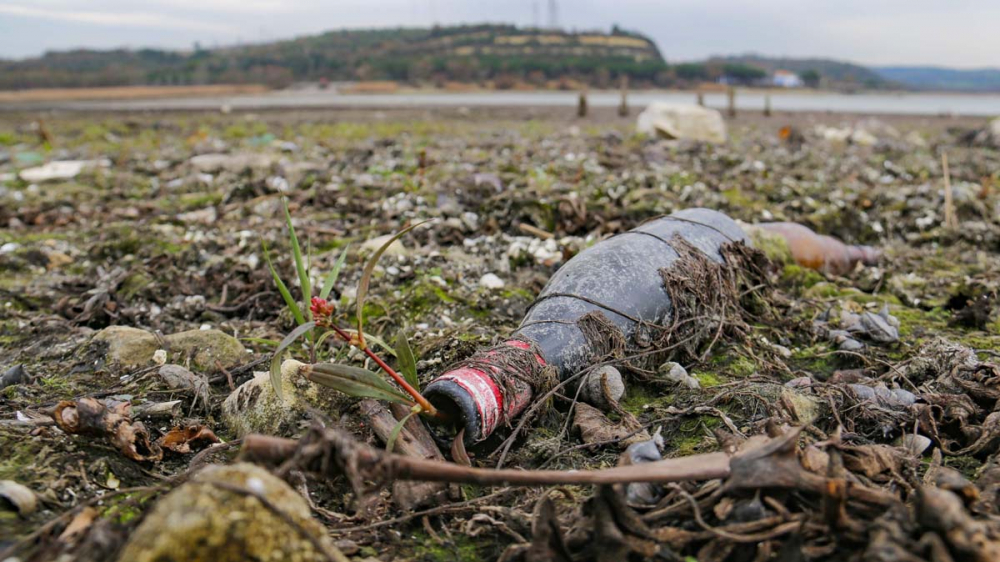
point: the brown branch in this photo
(274, 450)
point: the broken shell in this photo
(19, 496)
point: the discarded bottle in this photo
(617, 282)
(611, 297)
(821, 252)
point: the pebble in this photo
(491, 281)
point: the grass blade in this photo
(331, 278)
(300, 264)
(407, 362)
(391, 442)
(282, 288)
(276, 358)
(366, 278)
(357, 382)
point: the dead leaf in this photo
(872, 460)
(183, 439)
(79, 525)
(595, 427)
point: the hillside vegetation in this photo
(937, 78)
(503, 54)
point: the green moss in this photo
(737, 199)
(19, 456)
(134, 283)
(708, 380)
(801, 276)
(638, 396)
(692, 435)
(460, 548)
(57, 386)
(916, 321)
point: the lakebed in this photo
(161, 230)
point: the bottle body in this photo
(618, 279)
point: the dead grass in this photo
(127, 92)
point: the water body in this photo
(880, 103)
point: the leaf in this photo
(300, 265)
(357, 382)
(282, 288)
(366, 278)
(331, 278)
(391, 442)
(407, 362)
(276, 358)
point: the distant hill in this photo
(832, 74)
(502, 54)
(938, 78)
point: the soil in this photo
(153, 236)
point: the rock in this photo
(15, 375)
(58, 170)
(206, 347)
(644, 493)
(210, 519)
(804, 407)
(131, 347)
(676, 373)
(126, 346)
(994, 130)
(206, 216)
(178, 377)
(255, 408)
(394, 249)
(593, 387)
(18, 496)
(676, 121)
(491, 281)
(230, 162)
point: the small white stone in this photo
(491, 281)
(160, 356)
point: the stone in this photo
(127, 347)
(254, 407)
(491, 281)
(804, 407)
(676, 373)
(215, 162)
(593, 391)
(678, 121)
(206, 347)
(58, 170)
(209, 519)
(130, 347)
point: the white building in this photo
(786, 79)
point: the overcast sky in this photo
(960, 33)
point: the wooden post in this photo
(767, 106)
(581, 105)
(701, 98)
(731, 95)
(623, 104)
